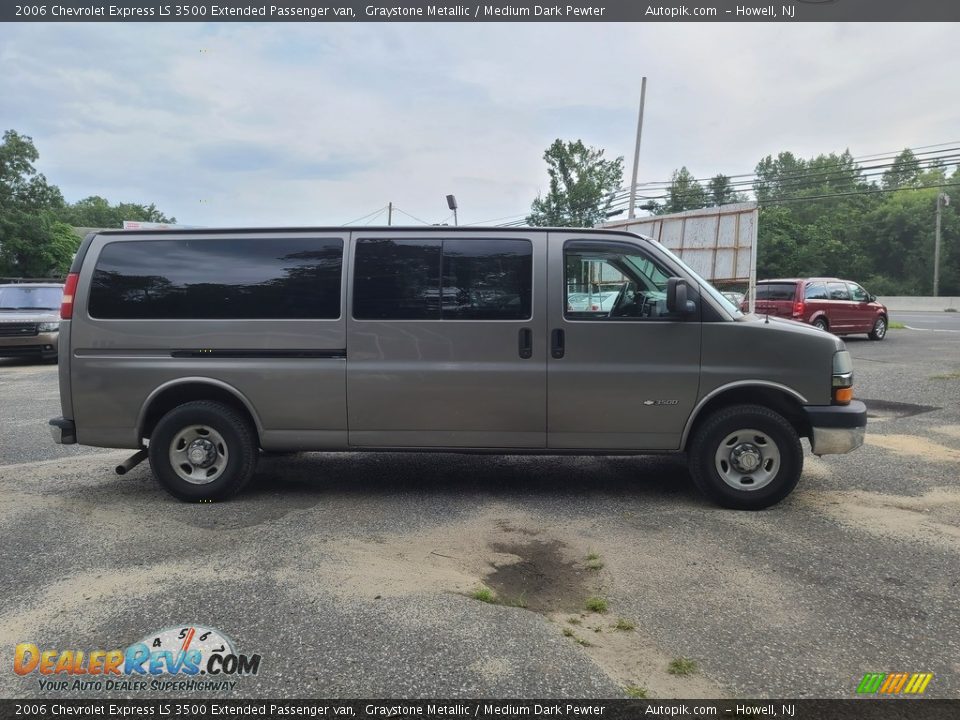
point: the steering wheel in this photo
(624, 298)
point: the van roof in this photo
(362, 228)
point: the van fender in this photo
(766, 384)
(142, 415)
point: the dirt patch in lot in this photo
(930, 519)
(631, 658)
(526, 563)
(915, 446)
(538, 576)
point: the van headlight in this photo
(842, 381)
(48, 327)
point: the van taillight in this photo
(69, 290)
(798, 309)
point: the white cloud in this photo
(303, 124)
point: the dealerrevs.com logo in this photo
(178, 659)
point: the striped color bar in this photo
(894, 683)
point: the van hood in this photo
(37, 316)
(794, 327)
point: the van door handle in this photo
(526, 343)
(556, 343)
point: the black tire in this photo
(821, 324)
(710, 436)
(879, 331)
(235, 457)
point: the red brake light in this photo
(69, 290)
(798, 309)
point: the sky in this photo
(321, 124)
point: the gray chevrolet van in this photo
(199, 348)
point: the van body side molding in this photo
(269, 354)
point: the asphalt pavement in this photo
(353, 575)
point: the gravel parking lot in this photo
(352, 574)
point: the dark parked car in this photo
(839, 306)
(30, 320)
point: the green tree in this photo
(720, 191)
(582, 183)
(904, 172)
(683, 193)
(32, 241)
(96, 211)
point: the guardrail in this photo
(906, 303)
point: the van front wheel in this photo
(202, 451)
(746, 457)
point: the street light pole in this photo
(942, 199)
(452, 204)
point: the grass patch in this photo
(574, 621)
(596, 604)
(946, 376)
(484, 594)
(682, 666)
(624, 625)
(894, 325)
(520, 601)
(635, 691)
(584, 643)
(567, 632)
(594, 562)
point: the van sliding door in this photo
(445, 339)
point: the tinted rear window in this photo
(816, 291)
(230, 279)
(776, 291)
(459, 279)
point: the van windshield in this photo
(707, 287)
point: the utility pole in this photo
(631, 214)
(389, 213)
(942, 199)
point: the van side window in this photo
(838, 291)
(454, 279)
(606, 284)
(816, 291)
(397, 280)
(487, 279)
(218, 279)
(857, 293)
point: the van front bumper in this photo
(836, 429)
(64, 431)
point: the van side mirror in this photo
(677, 301)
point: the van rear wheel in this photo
(746, 457)
(203, 451)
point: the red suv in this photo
(840, 306)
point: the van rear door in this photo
(776, 298)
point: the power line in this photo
(375, 212)
(858, 175)
(396, 209)
(877, 156)
(797, 179)
(378, 214)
